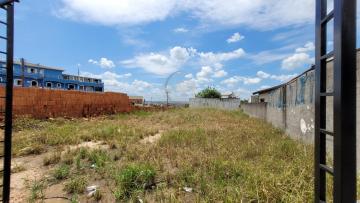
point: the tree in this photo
(209, 92)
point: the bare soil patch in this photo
(35, 170)
(152, 139)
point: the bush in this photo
(209, 93)
(76, 185)
(62, 172)
(132, 178)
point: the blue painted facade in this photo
(36, 75)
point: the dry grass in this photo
(222, 156)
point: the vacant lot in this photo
(179, 155)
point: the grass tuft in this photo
(62, 172)
(132, 178)
(54, 158)
(76, 185)
(36, 190)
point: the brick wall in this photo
(45, 103)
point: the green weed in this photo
(76, 185)
(62, 172)
(132, 178)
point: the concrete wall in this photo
(228, 104)
(291, 107)
(45, 103)
(257, 110)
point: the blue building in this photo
(36, 75)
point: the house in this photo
(36, 75)
(228, 96)
(136, 100)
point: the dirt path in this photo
(35, 170)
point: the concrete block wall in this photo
(45, 103)
(296, 114)
(227, 104)
(257, 110)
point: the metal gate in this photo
(344, 100)
(7, 6)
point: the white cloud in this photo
(281, 78)
(246, 80)
(205, 73)
(300, 58)
(106, 75)
(115, 12)
(272, 55)
(231, 81)
(187, 88)
(161, 64)
(297, 60)
(220, 74)
(181, 30)
(258, 14)
(307, 48)
(264, 87)
(103, 63)
(164, 64)
(210, 58)
(189, 76)
(262, 74)
(235, 38)
(114, 82)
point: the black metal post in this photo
(345, 101)
(8, 103)
(320, 102)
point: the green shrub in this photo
(76, 185)
(132, 178)
(99, 158)
(62, 172)
(209, 92)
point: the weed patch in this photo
(54, 158)
(62, 172)
(76, 185)
(133, 178)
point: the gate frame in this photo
(8, 6)
(344, 97)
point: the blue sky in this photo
(236, 46)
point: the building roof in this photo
(136, 97)
(290, 81)
(37, 65)
(286, 83)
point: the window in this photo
(41, 71)
(262, 100)
(89, 89)
(18, 82)
(58, 85)
(34, 83)
(48, 85)
(71, 87)
(32, 70)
